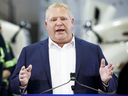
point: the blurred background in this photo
(103, 22)
(33, 11)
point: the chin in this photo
(60, 38)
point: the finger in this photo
(29, 68)
(22, 80)
(109, 77)
(22, 72)
(102, 63)
(21, 76)
(23, 68)
(109, 65)
(111, 68)
(111, 73)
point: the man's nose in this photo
(58, 22)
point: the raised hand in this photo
(24, 75)
(106, 71)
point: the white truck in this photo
(110, 34)
(17, 36)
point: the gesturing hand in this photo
(106, 71)
(24, 75)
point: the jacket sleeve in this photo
(14, 79)
(113, 82)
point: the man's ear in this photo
(46, 23)
(72, 21)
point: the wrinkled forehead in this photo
(54, 9)
(58, 11)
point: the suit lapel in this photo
(79, 50)
(45, 57)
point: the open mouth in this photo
(60, 30)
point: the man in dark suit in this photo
(48, 63)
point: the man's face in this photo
(59, 25)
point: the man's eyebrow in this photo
(60, 17)
(63, 16)
(52, 18)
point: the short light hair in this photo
(57, 4)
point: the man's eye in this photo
(63, 19)
(54, 20)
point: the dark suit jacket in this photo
(88, 59)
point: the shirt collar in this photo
(52, 43)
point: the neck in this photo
(61, 45)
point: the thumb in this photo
(102, 63)
(29, 68)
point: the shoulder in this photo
(85, 43)
(36, 45)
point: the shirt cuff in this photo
(22, 89)
(105, 86)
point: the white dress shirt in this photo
(62, 63)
